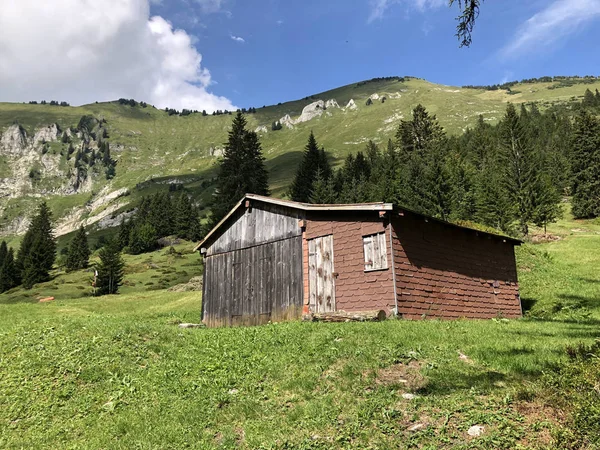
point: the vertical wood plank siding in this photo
(257, 225)
(254, 285)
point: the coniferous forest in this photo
(505, 176)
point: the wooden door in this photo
(321, 280)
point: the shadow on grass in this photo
(527, 304)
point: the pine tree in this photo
(588, 99)
(323, 190)
(241, 170)
(38, 249)
(34, 271)
(186, 221)
(313, 161)
(547, 203)
(160, 215)
(8, 272)
(124, 232)
(493, 206)
(110, 269)
(419, 133)
(142, 239)
(521, 167)
(3, 252)
(78, 255)
(586, 166)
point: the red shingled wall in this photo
(445, 272)
(355, 289)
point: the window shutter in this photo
(375, 251)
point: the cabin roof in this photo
(376, 206)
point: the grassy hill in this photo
(116, 371)
(154, 149)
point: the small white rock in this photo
(476, 430)
(233, 391)
(416, 427)
(409, 396)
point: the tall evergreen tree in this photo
(314, 160)
(586, 166)
(110, 269)
(323, 190)
(124, 232)
(419, 133)
(8, 272)
(241, 170)
(588, 99)
(547, 203)
(142, 238)
(521, 166)
(186, 218)
(3, 252)
(78, 255)
(38, 249)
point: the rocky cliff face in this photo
(50, 162)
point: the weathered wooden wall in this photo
(253, 285)
(257, 225)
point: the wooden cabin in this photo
(273, 260)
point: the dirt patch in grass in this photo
(407, 375)
(540, 419)
(543, 238)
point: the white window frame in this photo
(375, 252)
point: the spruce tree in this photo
(323, 190)
(8, 272)
(419, 133)
(142, 238)
(110, 269)
(186, 220)
(78, 255)
(588, 99)
(585, 186)
(547, 203)
(493, 206)
(3, 252)
(124, 232)
(521, 167)
(38, 249)
(313, 160)
(241, 170)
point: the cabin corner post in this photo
(391, 234)
(305, 288)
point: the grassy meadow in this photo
(116, 372)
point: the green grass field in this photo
(116, 372)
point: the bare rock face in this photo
(13, 141)
(46, 134)
(216, 152)
(261, 129)
(351, 105)
(311, 111)
(332, 103)
(287, 121)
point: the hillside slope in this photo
(152, 149)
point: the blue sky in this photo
(289, 49)
(223, 54)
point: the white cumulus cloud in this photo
(379, 7)
(558, 20)
(237, 39)
(84, 51)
